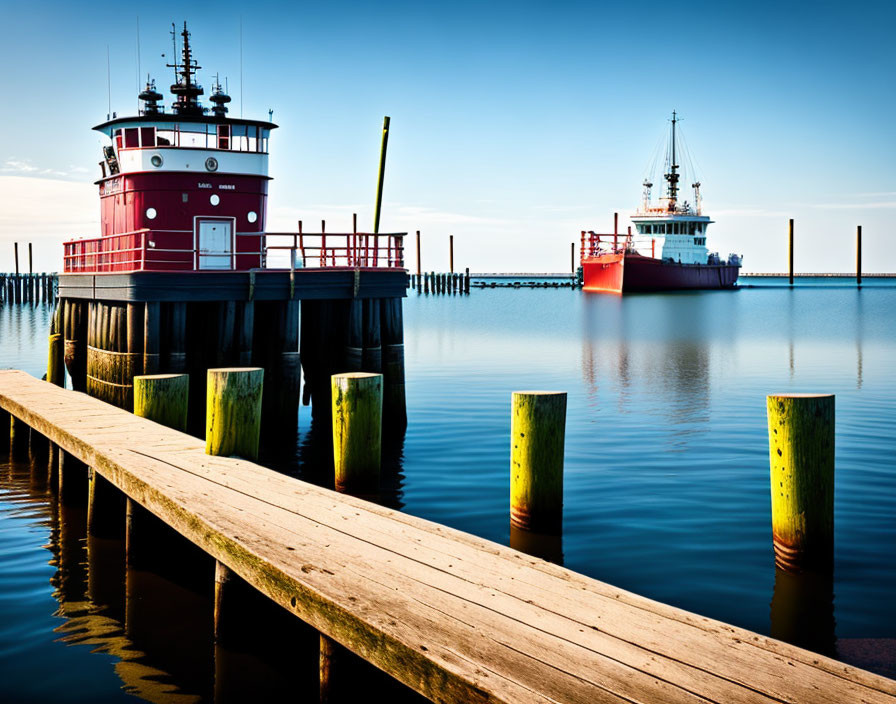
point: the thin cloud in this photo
(24, 167)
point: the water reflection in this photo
(661, 341)
(802, 610)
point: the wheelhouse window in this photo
(119, 139)
(147, 136)
(131, 137)
(223, 136)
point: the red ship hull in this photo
(623, 273)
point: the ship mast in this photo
(672, 176)
(186, 89)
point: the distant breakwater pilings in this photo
(441, 283)
(27, 288)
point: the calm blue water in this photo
(666, 480)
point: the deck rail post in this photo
(801, 464)
(537, 437)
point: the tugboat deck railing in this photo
(138, 251)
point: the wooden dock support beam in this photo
(357, 431)
(537, 436)
(18, 439)
(233, 411)
(801, 460)
(163, 398)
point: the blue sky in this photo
(514, 125)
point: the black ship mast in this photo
(672, 176)
(185, 89)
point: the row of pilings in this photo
(28, 288)
(108, 343)
(444, 283)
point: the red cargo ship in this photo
(613, 264)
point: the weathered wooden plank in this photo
(455, 617)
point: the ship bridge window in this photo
(223, 136)
(118, 139)
(131, 137)
(147, 136)
(192, 139)
(692, 228)
(164, 138)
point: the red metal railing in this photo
(354, 249)
(594, 244)
(152, 250)
(124, 252)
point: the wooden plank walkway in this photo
(455, 617)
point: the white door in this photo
(215, 238)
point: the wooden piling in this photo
(394, 401)
(177, 339)
(419, 268)
(372, 353)
(73, 479)
(537, 435)
(801, 461)
(790, 251)
(245, 332)
(55, 360)
(382, 175)
(18, 438)
(426, 283)
(859, 255)
(163, 398)
(467, 280)
(233, 411)
(105, 507)
(354, 337)
(151, 337)
(74, 330)
(357, 431)
(451, 252)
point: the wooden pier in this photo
(454, 617)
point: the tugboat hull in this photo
(623, 273)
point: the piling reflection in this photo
(541, 545)
(802, 610)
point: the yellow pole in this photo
(163, 398)
(537, 436)
(801, 461)
(233, 411)
(357, 431)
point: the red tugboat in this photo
(180, 191)
(613, 264)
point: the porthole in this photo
(151, 213)
(252, 216)
(214, 199)
(211, 164)
(156, 160)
